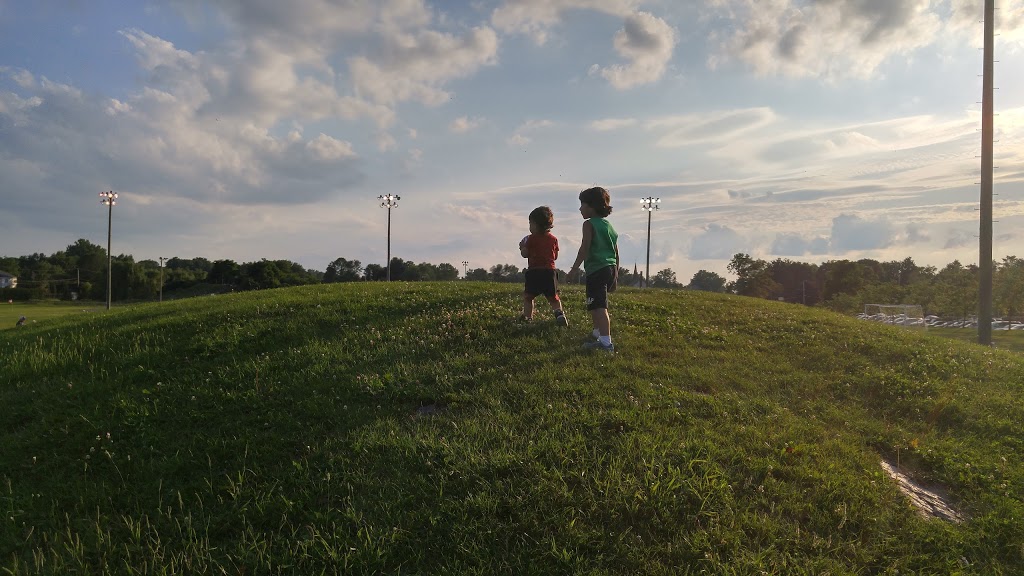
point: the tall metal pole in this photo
(650, 204)
(987, 133)
(110, 217)
(648, 273)
(389, 201)
(108, 198)
(389, 243)
(161, 279)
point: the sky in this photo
(808, 130)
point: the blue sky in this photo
(246, 129)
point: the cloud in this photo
(966, 15)
(827, 38)
(160, 139)
(852, 233)
(414, 67)
(611, 124)
(647, 42)
(790, 244)
(521, 135)
(959, 239)
(716, 242)
(536, 17)
(715, 126)
(464, 124)
(326, 148)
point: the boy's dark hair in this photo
(543, 218)
(598, 199)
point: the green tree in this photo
(1008, 288)
(478, 275)
(843, 277)
(707, 282)
(342, 270)
(665, 279)
(224, 272)
(752, 277)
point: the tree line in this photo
(847, 285)
(80, 271)
(841, 285)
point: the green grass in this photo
(39, 311)
(1004, 339)
(284, 432)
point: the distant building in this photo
(8, 281)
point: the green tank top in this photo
(602, 246)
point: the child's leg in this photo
(527, 305)
(556, 304)
(602, 322)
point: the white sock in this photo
(605, 340)
(597, 334)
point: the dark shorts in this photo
(541, 281)
(599, 284)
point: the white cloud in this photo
(853, 233)
(416, 66)
(610, 124)
(464, 124)
(724, 126)
(647, 42)
(828, 39)
(716, 242)
(326, 148)
(536, 17)
(521, 136)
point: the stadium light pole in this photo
(465, 269)
(650, 204)
(162, 278)
(389, 201)
(108, 199)
(985, 228)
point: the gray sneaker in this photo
(597, 345)
(561, 320)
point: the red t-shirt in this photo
(541, 250)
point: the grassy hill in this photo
(417, 429)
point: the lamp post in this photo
(465, 269)
(108, 199)
(389, 201)
(650, 204)
(162, 278)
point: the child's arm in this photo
(588, 235)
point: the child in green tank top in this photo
(599, 255)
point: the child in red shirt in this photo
(540, 249)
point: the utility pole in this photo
(987, 134)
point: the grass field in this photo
(400, 428)
(1002, 339)
(38, 311)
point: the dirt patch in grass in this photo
(931, 501)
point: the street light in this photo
(108, 199)
(389, 201)
(162, 278)
(650, 204)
